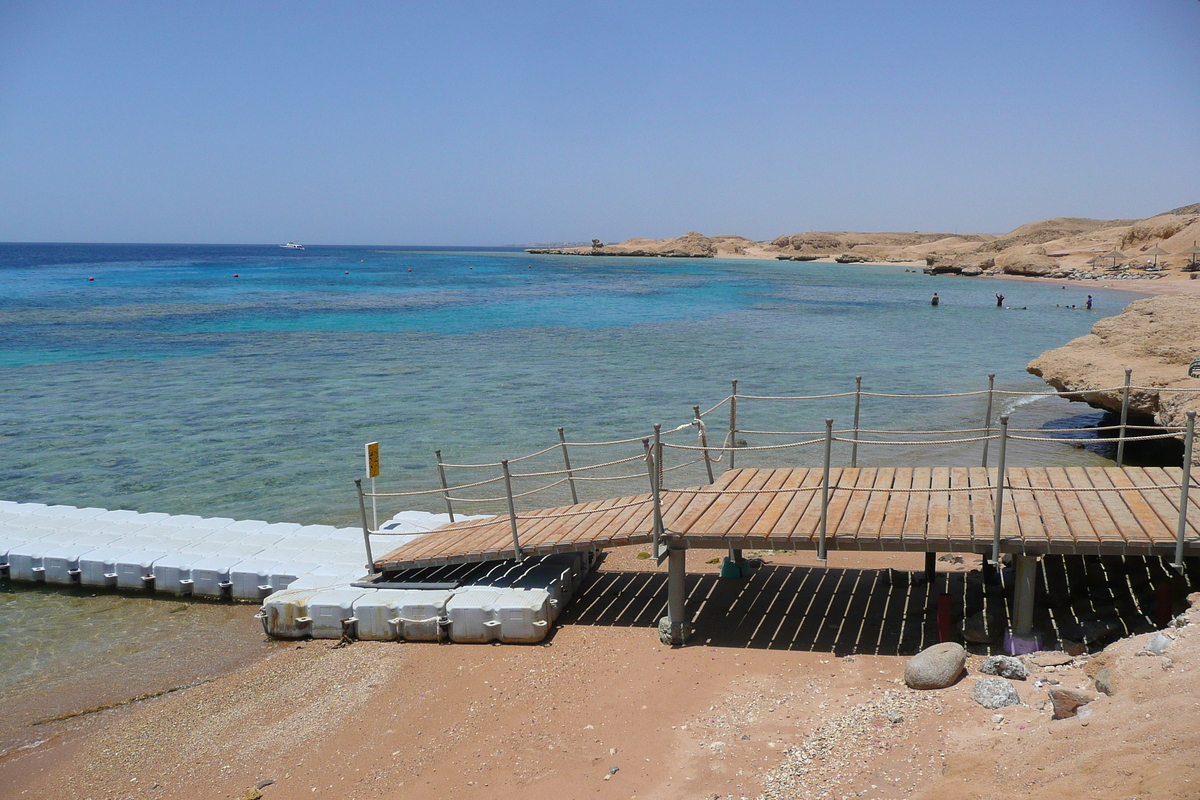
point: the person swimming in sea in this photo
(1089, 303)
(999, 300)
(934, 301)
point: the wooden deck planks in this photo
(937, 535)
(758, 504)
(914, 533)
(1026, 513)
(864, 513)
(895, 511)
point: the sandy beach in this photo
(770, 700)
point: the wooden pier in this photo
(1065, 510)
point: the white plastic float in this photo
(301, 573)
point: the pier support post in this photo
(1124, 418)
(931, 567)
(673, 629)
(734, 565)
(1021, 639)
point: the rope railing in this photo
(710, 453)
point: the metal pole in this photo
(1183, 492)
(562, 440)
(362, 507)
(652, 471)
(512, 511)
(1023, 594)
(822, 551)
(677, 594)
(704, 444)
(442, 479)
(1000, 477)
(1124, 417)
(987, 417)
(658, 453)
(732, 423)
(857, 404)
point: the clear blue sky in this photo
(491, 123)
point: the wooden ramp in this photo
(1070, 510)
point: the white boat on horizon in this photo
(293, 246)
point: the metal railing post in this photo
(1000, 478)
(732, 423)
(362, 507)
(445, 488)
(658, 453)
(512, 511)
(987, 418)
(1183, 491)
(822, 549)
(704, 443)
(562, 441)
(652, 471)
(857, 405)
(1124, 417)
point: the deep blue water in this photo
(169, 384)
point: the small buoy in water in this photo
(347, 272)
(236, 275)
(410, 269)
(91, 279)
(470, 268)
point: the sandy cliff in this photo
(1062, 247)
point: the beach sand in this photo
(604, 710)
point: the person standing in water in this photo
(934, 301)
(999, 300)
(1089, 303)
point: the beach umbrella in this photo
(1115, 255)
(1193, 251)
(1157, 251)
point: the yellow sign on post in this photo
(373, 460)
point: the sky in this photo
(488, 123)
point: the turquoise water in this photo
(168, 384)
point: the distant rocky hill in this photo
(1058, 247)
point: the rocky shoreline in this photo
(1157, 337)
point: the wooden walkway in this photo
(869, 509)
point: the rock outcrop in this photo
(1026, 263)
(1157, 338)
(1064, 248)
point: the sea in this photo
(244, 381)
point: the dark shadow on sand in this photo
(1092, 601)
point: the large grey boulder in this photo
(935, 667)
(995, 693)
(1005, 667)
(1068, 701)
